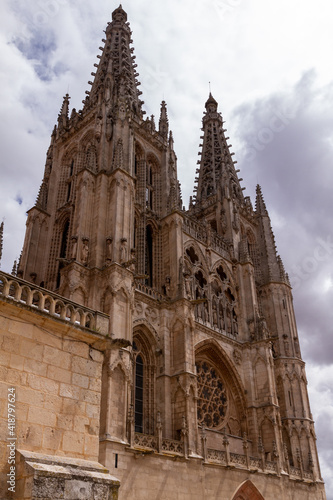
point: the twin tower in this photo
(203, 392)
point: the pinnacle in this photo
(260, 203)
(163, 121)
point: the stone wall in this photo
(50, 370)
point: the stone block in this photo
(10, 344)
(70, 391)
(16, 361)
(52, 438)
(73, 407)
(73, 442)
(80, 380)
(30, 349)
(57, 357)
(65, 422)
(43, 384)
(77, 348)
(36, 367)
(41, 416)
(59, 374)
(86, 367)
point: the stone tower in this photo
(204, 391)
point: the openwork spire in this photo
(216, 170)
(116, 75)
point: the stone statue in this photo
(109, 252)
(85, 251)
(123, 250)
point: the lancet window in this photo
(65, 190)
(63, 249)
(143, 385)
(149, 256)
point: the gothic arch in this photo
(152, 158)
(67, 173)
(247, 491)
(152, 333)
(79, 295)
(91, 157)
(227, 271)
(202, 259)
(88, 137)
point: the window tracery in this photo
(212, 402)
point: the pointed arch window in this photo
(143, 387)
(63, 250)
(149, 256)
(138, 394)
(91, 158)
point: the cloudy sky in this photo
(270, 66)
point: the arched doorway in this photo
(247, 491)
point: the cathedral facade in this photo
(166, 336)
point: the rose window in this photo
(212, 400)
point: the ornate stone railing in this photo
(295, 471)
(23, 292)
(237, 458)
(255, 463)
(211, 456)
(172, 446)
(145, 441)
(199, 232)
(148, 291)
(270, 466)
(216, 456)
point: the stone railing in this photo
(199, 232)
(238, 459)
(150, 442)
(295, 471)
(270, 466)
(23, 292)
(145, 441)
(216, 456)
(172, 446)
(147, 290)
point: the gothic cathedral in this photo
(167, 337)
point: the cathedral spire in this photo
(116, 75)
(216, 171)
(272, 267)
(260, 202)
